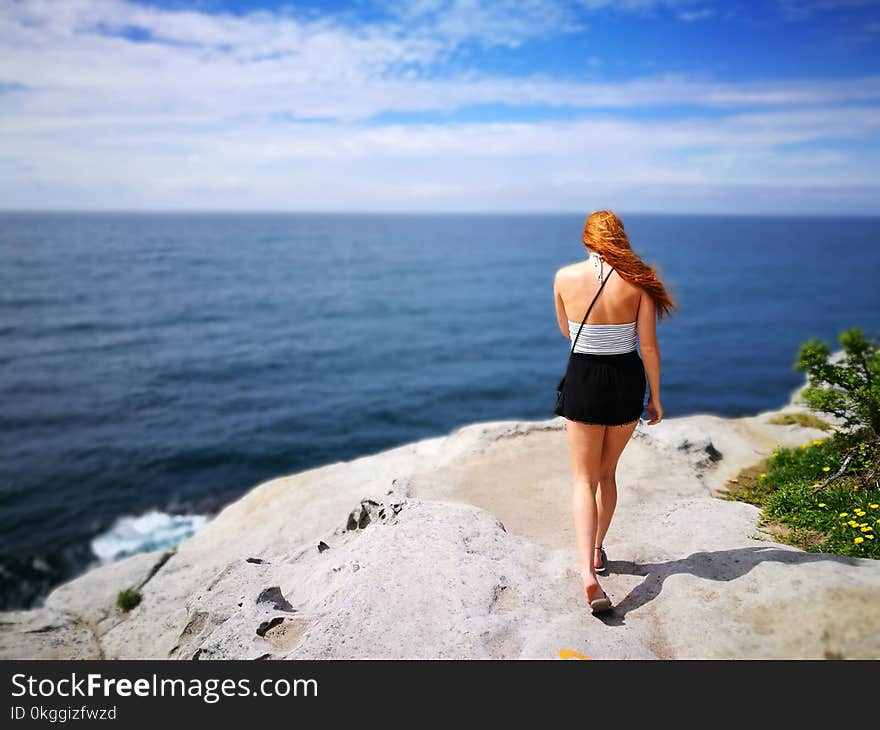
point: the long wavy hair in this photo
(604, 234)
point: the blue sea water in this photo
(156, 366)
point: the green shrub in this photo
(849, 389)
(824, 496)
(128, 599)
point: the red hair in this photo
(604, 234)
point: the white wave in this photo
(152, 530)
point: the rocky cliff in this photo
(462, 546)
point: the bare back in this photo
(578, 285)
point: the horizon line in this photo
(269, 211)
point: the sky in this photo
(660, 106)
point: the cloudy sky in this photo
(459, 105)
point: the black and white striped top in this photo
(603, 339)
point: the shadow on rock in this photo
(722, 565)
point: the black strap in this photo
(577, 336)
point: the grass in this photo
(842, 518)
(807, 420)
(128, 599)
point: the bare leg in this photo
(616, 439)
(585, 445)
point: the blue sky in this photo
(514, 105)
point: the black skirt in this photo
(605, 390)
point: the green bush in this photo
(128, 599)
(824, 496)
(850, 389)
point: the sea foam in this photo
(152, 530)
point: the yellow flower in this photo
(856, 488)
(812, 465)
(873, 506)
(860, 513)
(821, 504)
(816, 485)
(853, 523)
(844, 514)
(804, 446)
(826, 468)
(817, 442)
(859, 540)
(870, 537)
(763, 474)
(864, 529)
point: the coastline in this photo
(461, 546)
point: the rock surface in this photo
(462, 546)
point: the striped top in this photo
(603, 339)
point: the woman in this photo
(604, 390)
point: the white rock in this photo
(433, 573)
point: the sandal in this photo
(599, 605)
(602, 569)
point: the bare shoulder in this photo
(568, 271)
(639, 291)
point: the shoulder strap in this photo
(577, 336)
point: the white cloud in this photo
(188, 122)
(463, 166)
(498, 23)
(689, 16)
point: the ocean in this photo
(155, 366)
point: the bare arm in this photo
(561, 316)
(650, 351)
